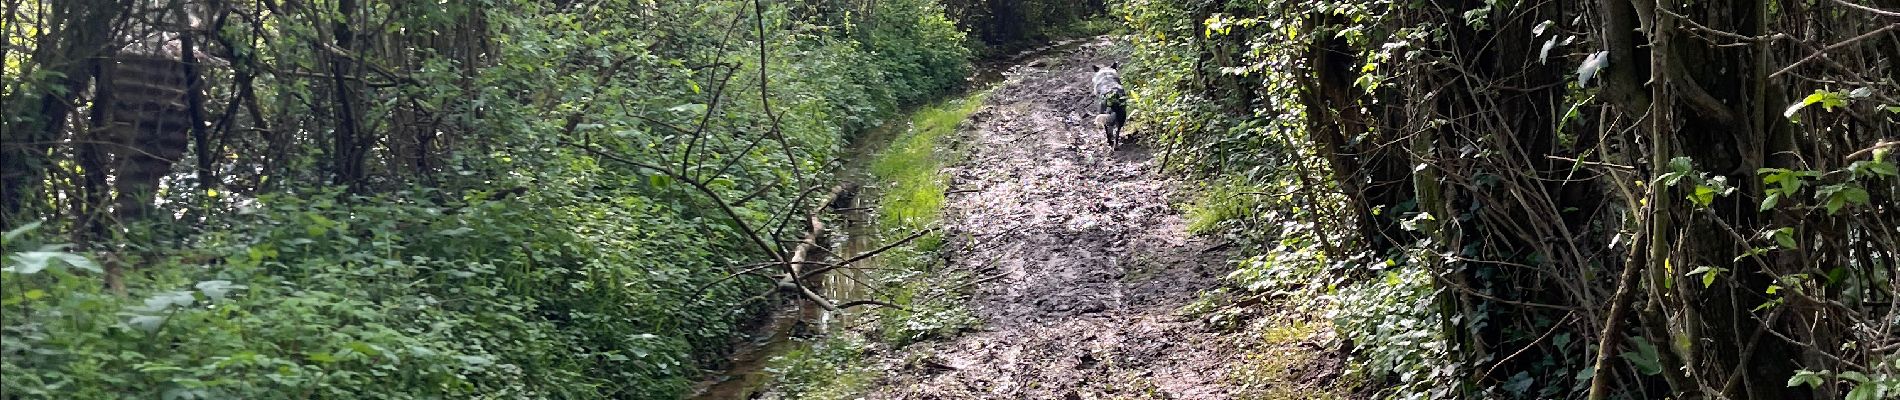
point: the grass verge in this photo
(909, 172)
(910, 187)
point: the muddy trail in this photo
(1093, 261)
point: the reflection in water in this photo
(748, 376)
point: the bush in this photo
(527, 267)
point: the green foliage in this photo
(921, 51)
(520, 266)
(1226, 202)
(1392, 322)
(1001, 27)
(908, 182)
(910, 198)
(911, 166)
(393, 300)
(827, 369)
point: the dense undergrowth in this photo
(1547, 199)
(513, 249)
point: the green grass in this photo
(1088, 27)
(827, 369)
(908, 181)
(1227, 200)
(912, 166)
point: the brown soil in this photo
(1094, 260)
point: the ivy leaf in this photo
(1645, 357)
(1520, 383)
(1590, 66)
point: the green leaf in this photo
(1645, 357)
(364, 348)
(146, 323)
(1826, 99)
(32, 262)
(1785, 238)
(1866, 391)
(1855, 195)
(1806, 377)
(217, 289)
(1855, 376)
(693, 108)
(1883, 168)
(1708, 274)
(1770, 202)
(17, 232)
(1703, 195)
(1681, 164)
(1839, 196)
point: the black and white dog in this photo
(1111, 101)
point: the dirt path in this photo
(1095, 259)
